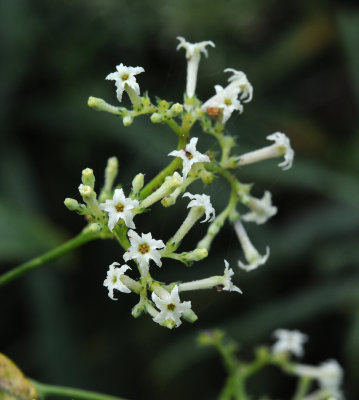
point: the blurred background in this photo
(302, 58)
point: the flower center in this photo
(228, 102)
(124, 77)
(114, 279)
(171, 307)
(119, 207)
(143, 248)
(189, 155)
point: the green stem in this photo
(51, 255)
(157, 181)
(302, 388)
(174, 126)
(45, 390)
(218, 222)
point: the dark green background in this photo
(302, 58)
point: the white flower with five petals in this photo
(124, 78)
(170, 307)
(204, 201)
(119, 208)
(113, 279)
(193, 55)
(143, 248)
(189, 156)
(227, 279)
(289, 341)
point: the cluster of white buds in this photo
(114, 213)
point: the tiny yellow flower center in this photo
(228, 102)
(143, 248)
(119, 207)
(189, 155)
(124, 77)
(114, 279)
(171, 306)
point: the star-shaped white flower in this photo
(193, 55)
(239, 80)
(143, 248)
(289, 341)
(113, 279)
(119, 207)
(204, 201)
(194, 48)
(262, 209)
(171, 307)
(227, 101)
(227, 279)
(125, 77)
(282, 142)
(189, 156)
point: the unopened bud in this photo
(88, 178)
(137, 310)
(73, 205)
(156, 118)
(137, 183)
(127, 120)
(85, 190)
(176, 109)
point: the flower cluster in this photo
(113, 211)
(327, 377)
(328, 374)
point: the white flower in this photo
(289, 341)
(113, 279)
(279, 148)
(204, 201)
(193, 55)
(239, 80)
(124, 77)
(143, 249)
(282, 143)
(189, 156)
(262, 209)
(330, 377)
(119, 207)
(253, 258)
(171, 307)
(227, 281)
(225, 100)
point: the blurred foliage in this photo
(302, 60)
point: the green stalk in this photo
(51, 255)
(45, 390)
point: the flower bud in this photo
(156, 118)
(88, 178)
(137, 184)
(127, 120)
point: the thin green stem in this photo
(45, 390)
(174, 126)
(302, 388)
(51, 255)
